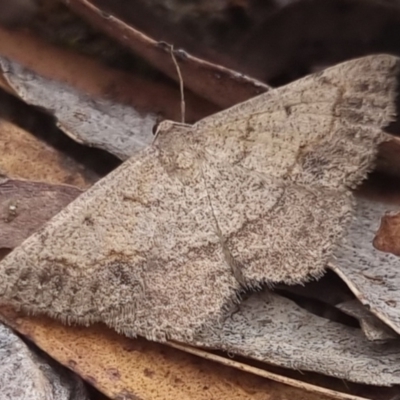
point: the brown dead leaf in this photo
(138, 369)
(24, 156)
(217, 84)
(267, 39)
(25, 206)
(387, 238)
(97, 80)
(312, 383)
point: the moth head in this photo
(164, 127)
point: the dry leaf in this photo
(25, 206)
(135, 368)
(270, 328)
(98, 81)
(373, 328)
(235, 200)
(25, 375)
(332, 387)
(370, 274)
(23, 156)
(387, 238)
(113, 127)
(267, 39)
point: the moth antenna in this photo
(181, 85)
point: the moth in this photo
(260, 193)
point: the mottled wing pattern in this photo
(138, 251)
(279, 167)
(256, 193)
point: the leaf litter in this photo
(271, 328)
(24, 156)
(217, 84)
(373, 327)
(386, 238)
(25, 206)
(25, 375)
(370, 274)
(135, 368)
(116, 128)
